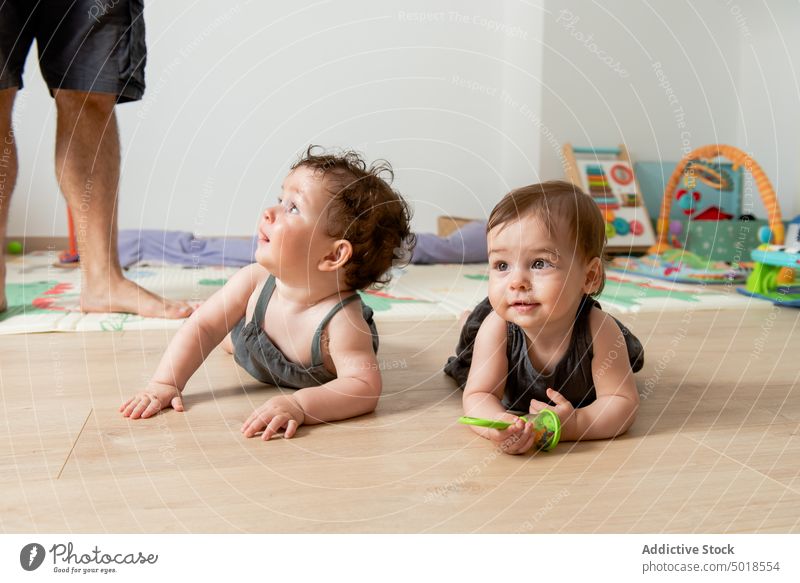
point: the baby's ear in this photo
(594, 276)
(337, 257)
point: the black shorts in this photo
(85, 45)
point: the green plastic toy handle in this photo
(545, 418)
(490, 423)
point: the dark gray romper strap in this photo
(316, 342)
(263, 300)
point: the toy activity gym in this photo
(703, 200)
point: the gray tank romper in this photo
(255, 352)
(572, 376)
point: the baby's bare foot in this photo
(463, 318)
(125, 296)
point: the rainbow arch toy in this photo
(773, 276)
(773, 280)
(738, 158)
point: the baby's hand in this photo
(563, 408)
(283, 411)
(150, 401)
(516, 439)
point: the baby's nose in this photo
(519, 281)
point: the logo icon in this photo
(31, 556)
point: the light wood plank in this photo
(715, 448)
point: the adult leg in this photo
(87, 168)
(8, 178)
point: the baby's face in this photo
(292, 235)
(536, 279)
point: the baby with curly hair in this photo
(294, 318)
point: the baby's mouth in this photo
(524, 306)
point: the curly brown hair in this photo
(366, 211)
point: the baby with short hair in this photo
(540, 340)
(294, 316)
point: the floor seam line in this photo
(726, 456)
(74, 443)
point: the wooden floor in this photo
(716, 447)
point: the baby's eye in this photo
(541, 264)
(293, 209)
(501, 266)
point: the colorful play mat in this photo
(680, 266)
(44, 298)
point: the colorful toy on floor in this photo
(714, 188)
(708, 203)
(546, 427)
(70, 256)
(773, 277)
(702, 158)
(14, 248)
(606, 174)
(675, 230)
(665, 260)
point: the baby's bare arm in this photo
(487, 373)
(617, 402)
(485, 387)
(192, 343)
(207, 327)
(357, 386)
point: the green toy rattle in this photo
(546, 427)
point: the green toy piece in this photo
(14, 247)
(687, 258)
(765, 280)
(490, 423)
(546, 425)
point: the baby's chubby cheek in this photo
(496, 294)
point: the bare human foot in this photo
(463, 318)
(125, 296)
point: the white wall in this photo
(236, 91)
(466, 99)
(769, 125)
(667, 77)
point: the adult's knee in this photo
(81, 103)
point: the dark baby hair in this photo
(559, 205)
(366, 211)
